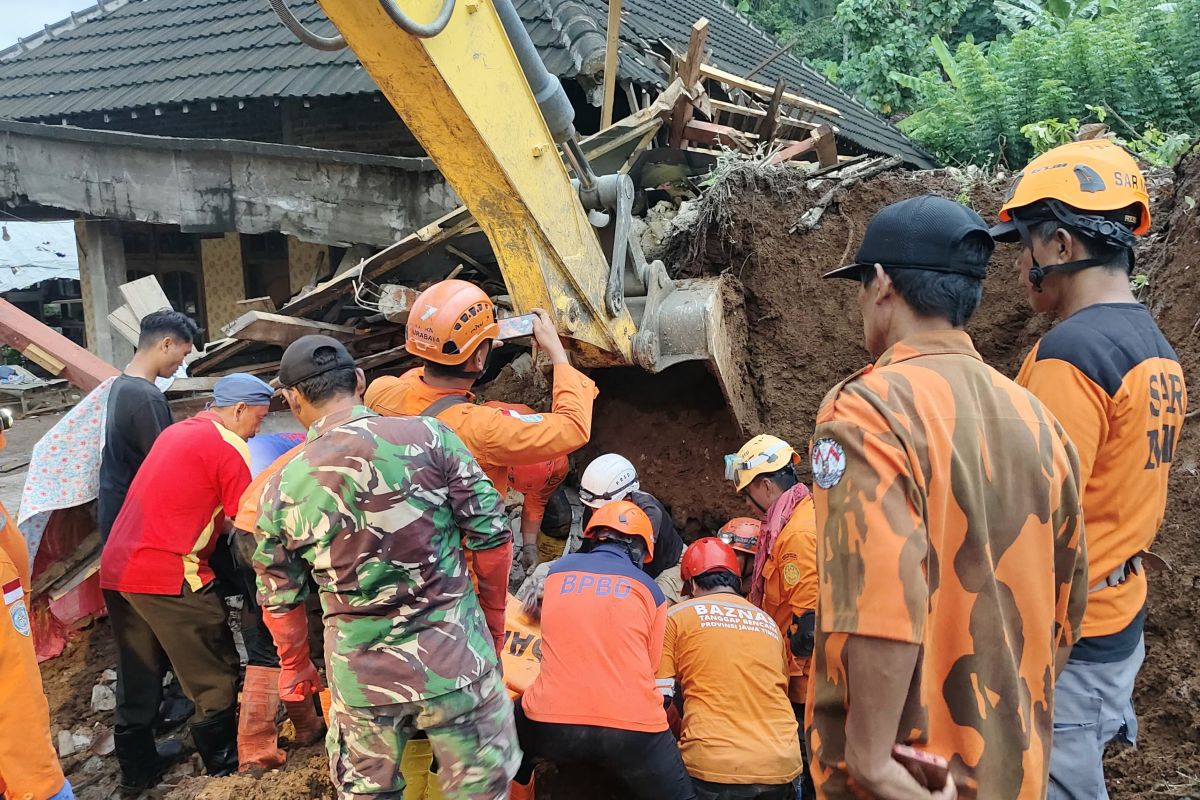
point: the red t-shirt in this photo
(602, 638)
(194, 475)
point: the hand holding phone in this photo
(516, 327)
(927, 769)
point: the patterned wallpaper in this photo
(224, 283)
(304, 261)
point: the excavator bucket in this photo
(697, 319)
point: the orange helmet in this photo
(448, 321)
(526, 478)
(1095, 176)
(741, 533)
(707, 555)
(626, 518)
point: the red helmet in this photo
(623, 517)
(741, 533)
(707, 555)
(448, 321)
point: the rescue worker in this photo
(741, 534)
(613, 477)
(1115, 383)
(594, 701)
(257, 732)
(164, 610)
(783, 581)
(378, 511)
(29, 765)
(941, 488)
(740, 736)
(545, 511)
(452, 328)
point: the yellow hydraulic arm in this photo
(464, 97)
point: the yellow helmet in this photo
(762, 455)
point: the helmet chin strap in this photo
(1038, 273)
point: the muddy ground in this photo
(805, 336)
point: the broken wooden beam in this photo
(611, 50)
(126, 323)
(729, 79)
(257, 304)
(711, 133)
(267, 328)
(770, 122)
(791, 151)
(144, 296)
(827, 154)
(689, 73)
(50, 349)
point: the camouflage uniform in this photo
(379, 509)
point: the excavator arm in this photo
(470, 86)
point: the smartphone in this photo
(929, 770)
(516, 327)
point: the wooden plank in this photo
(262, 326)
(186, 385)
(770, 122)
(144, 296)
(217, 353)
(258, 304)
(689, 73)
(751, 112)
(126, 323)
(641, 147)
(611, 48)
(790, 152)
(769, 60)
(729, 79)
(827, 155)
(711, 133)
(383, 358)
(43, 359)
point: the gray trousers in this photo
(1093, 705)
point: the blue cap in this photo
(241, 388)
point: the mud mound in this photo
(304, 777)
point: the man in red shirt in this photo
(595, 700)
(164, 611)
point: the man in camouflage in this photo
(951, 562)
(379, 510)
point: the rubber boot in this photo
(257, 737)
(433, 787)
(216, 742)
(308, 723)
(142, 763)
(414, 768)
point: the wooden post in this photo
(770, 123)
(610, 62)
(689, 72)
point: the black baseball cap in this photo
(310, 356)
(926, 232)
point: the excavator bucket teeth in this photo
(700, 319)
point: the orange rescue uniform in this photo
(731, 663)
(790, 586)
(498, 438)
(29, 768)
(521, 656)
(947, 501)
(1116, 385)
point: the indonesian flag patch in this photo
(13, 592)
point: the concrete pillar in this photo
(101, 273)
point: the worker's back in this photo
(729, 660)
(381, 510)
(497, 437)
(602, 628)
(957, 530)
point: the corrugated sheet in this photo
(154, 52)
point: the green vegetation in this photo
(991, 82)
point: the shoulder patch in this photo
(20, 617)
(828, 462)
(791, 574)
(530, 418)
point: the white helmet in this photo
(609, 477)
